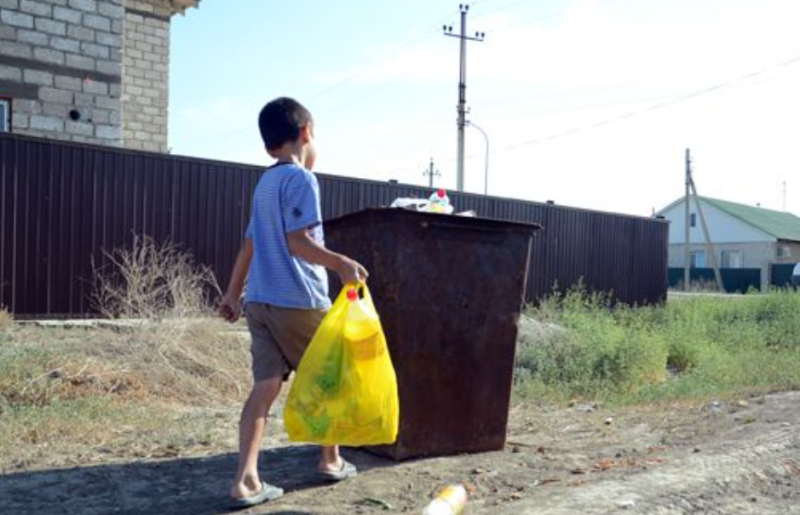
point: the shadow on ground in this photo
(162, 487)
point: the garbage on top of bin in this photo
(412, 204)
(438, 202)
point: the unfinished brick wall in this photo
(92, 71)
(60, 63)
(145, 77)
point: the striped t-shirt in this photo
(286, 200)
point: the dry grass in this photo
(128, 387)
(153, 281)
(5, 319)
(189, 363)
(133, 391)
(174, 351)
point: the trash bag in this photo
(345, 389)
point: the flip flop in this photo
(267, 493)
(347, 471)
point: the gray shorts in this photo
(280, 337)
(796, 281)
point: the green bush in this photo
(713, 346)
(596, 354)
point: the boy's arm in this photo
(303, 246)
(230, 307)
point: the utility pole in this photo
(687, 257)
(712, 256)
(462, 86)
(430, 173)
(784, 195)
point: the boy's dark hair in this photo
(281, 120)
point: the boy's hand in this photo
(230, 308)
(351, 272)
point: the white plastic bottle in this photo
(439, 202)
(451, 501)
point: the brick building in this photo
(94, 71)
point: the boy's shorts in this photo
(280, 337)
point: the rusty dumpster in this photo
(449, 290)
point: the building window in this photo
(693, 220)
(698, 259)
(784, 252)
(731, 259)
(5, 114)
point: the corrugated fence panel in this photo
(64, 206)
(781, 275)
(8, 211)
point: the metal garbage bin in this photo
(449, 290)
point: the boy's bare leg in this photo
(329, 459)
(251, 431)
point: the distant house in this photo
(743, 236)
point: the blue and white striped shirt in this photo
(286, 200)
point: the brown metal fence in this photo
(62, 205)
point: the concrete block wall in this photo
(61, 64)
(94, 71)
(145, 77)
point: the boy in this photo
(283, 259)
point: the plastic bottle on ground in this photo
(451, 501)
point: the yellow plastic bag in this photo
(345, 390)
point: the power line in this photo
(502, 7)
(350, 78)
(653, 107)
(372, 92)
(407, 152)
(630, 114)
(538, 18)
(215, 141)
(487, 115)
(410, 43)
(399, 50)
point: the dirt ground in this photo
(739, 457)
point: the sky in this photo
(589, 103)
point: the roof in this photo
(180, 6)
(778, 224)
